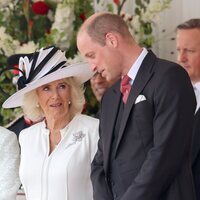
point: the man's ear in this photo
(111, 39)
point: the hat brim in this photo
(80, 71)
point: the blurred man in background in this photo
(188, 48)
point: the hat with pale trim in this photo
(45, 66)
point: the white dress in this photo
(65, 173)
(9, 165)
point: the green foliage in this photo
(84, 9)
(92, 105)
(146, 14)
(142, 20)
(22, 25)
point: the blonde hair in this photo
(34, 112)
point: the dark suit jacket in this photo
(153, 149)
(196, 153)
(18, 125)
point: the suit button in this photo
(107, 179)
(115, 196)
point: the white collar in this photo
(136, 65)
(196, 87)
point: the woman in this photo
(55, 153)
(9, 165)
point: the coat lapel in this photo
(144, 75)
(114, 104)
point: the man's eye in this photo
(190, 51)
(91, 56)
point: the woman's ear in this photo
(111, 39)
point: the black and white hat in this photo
(46, 65)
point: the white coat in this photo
(65, 173)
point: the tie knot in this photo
(125, 87)
(125, 80)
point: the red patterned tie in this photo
(125, 87)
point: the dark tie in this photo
(125, 87)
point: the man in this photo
(99, 85)
(144, 147)
(188, 48)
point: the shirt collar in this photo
(136, 65)
(62, 131)
(196, 86)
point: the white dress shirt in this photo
(65, 173)
(136, 65)
(196, 87)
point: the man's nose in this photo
(181, 57)
(93, 67)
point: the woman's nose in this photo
(54, 93)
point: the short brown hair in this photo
(104, 23)
(190, 24)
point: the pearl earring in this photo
(37, 106)
(69, 102)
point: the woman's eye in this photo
(62, 86)
(45, 88)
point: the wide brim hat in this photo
(80, 71)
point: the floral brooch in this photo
(77, 137)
